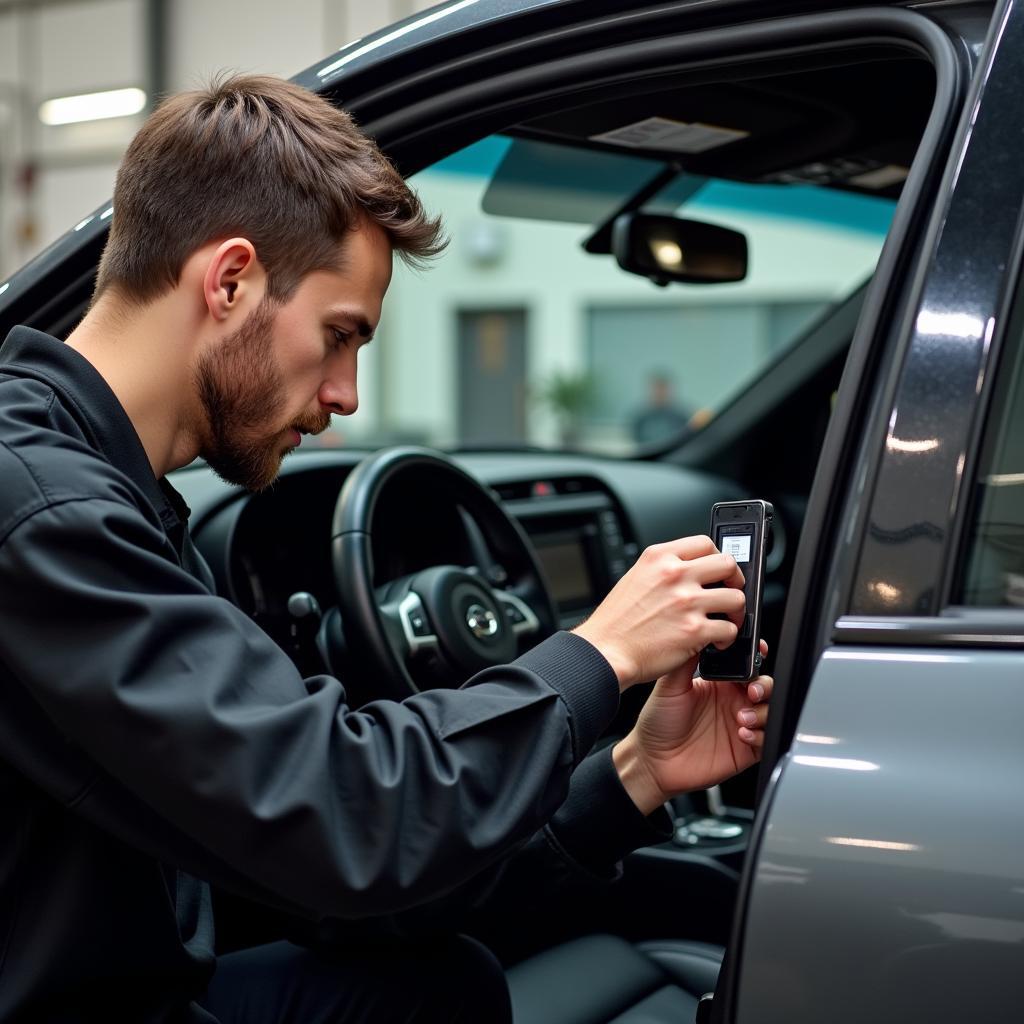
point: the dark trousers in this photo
(453, 980)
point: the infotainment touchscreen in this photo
(564, 561)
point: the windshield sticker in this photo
(664, 133)
(881, 177)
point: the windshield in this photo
(517, 336)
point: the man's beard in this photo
(242, 392)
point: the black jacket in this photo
(152, 735)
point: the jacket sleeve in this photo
(576, 854)
(581, 847)
(175, 695)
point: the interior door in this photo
(492, 375)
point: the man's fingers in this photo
(752, 721)
(724, 601)
(716, 569)
(752, 737)
(689, 548)
(760, 690)
(753, 718)
(722, 632)
(704, 560)
(721, 568)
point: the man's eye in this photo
(339, 337)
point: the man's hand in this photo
(692, 733)
(656, 616)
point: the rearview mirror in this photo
(666, 248)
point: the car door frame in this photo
(900, 452)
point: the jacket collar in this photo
(96, 409)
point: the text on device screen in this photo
(737, 545)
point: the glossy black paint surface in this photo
(447, 24)
(905, 555)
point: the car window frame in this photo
(944, 622)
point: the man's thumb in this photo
(679, 680)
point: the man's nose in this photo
(339, 394)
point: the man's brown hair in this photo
(262, 158)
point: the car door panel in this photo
(891, 864)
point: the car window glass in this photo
(518, 337)
(994, 563)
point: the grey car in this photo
(866, 376)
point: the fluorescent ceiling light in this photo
(92, 106)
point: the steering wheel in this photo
(447, 621)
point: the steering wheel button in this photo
(419, 624)
(515, 616)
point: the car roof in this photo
(450, 19)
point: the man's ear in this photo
(234, 279)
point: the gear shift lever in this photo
(305, 614)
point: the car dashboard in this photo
(586, 519)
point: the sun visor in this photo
(540, 181)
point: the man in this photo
(154, 740)
(662, 418)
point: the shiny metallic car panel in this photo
(890, 881)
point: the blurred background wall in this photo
(52, 174)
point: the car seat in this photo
(604, 979)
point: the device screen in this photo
(736, 541)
